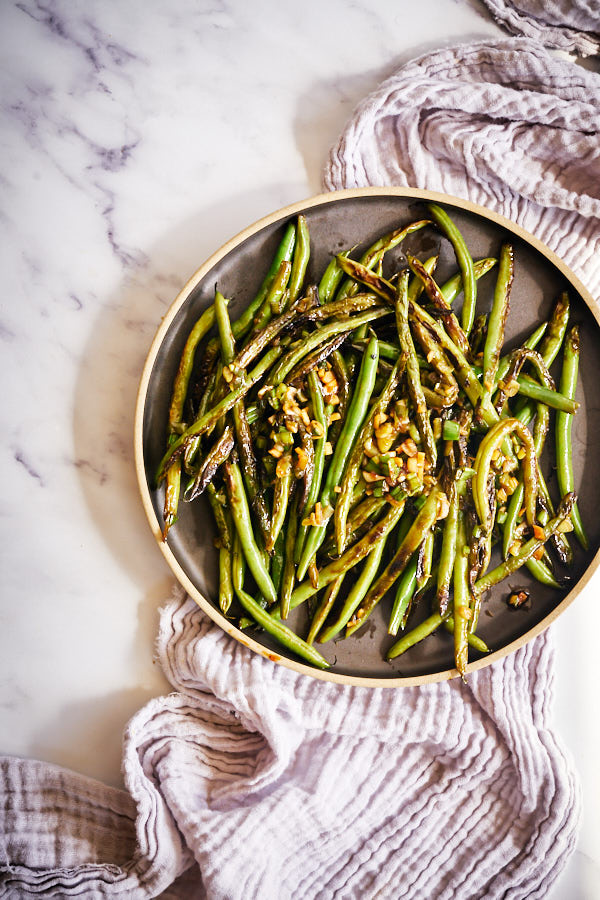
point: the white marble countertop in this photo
(137, 137)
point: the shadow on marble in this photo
(99, 723)
(325, 109)
(111, 367)
(92, 723)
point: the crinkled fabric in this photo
(501, 123)
(252, 781)
(275, 785)
(570, 25)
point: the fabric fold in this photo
(342, 801)
(569, 25)
(501, 123)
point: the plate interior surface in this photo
(357, 220)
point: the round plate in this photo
(338, 221)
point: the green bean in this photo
(281, 495)
(512, 519)
(480, 552)
(346, 307)
(497, 321)
(461, 597)
(330, 281)
(276, 563)
(557, 329)
(564, 449)
(387, 350)
(464, 373)
(425, 560)
(284, 635)
(349, 558)
(289, 566)
(283, 252)
(374, 255)
(351, 472)
(407, 586)
(428, 627)
(300, 260)
(508, 384)
(556, 399)
(324, 608)
(465, 263)
(342, 324)
(217, 504)
(250, 469)
(341, 368)
(509, 566)
(377, 283)
(240, 513)
(472, 639)
(242, 428)
(377, 250)
(274, 302)
(186, 363)
(238, 563)
(541, 572)
(192, 447)
(446, 393)
(320, 415)
(448, 551)
(415, 287)
(453, 287)
(441, 304)
(307, 451)
(225, 333)
(262, 339)
(323, 352)
(413, 375)
(407, 583)
(172, 493)
(353, 423)
(358, 522)
(175, 426)
(484, 501)
(529, 344)
(225, 577)
(213, 415)
(357, 593)
(215, 458)
(413, 637)
(478, 335)
(552, 342)
(424, 521)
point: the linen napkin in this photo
(251, 781)
(283, 786)
(570, 25)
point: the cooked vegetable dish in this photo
(361, 443)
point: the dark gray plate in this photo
(338, 221)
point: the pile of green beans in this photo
(362, 444)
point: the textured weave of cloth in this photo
(504, 124)
(250, 781)
(283, 786)
(570, 25)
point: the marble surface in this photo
(136, 138)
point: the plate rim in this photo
(183, 295)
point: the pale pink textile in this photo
(570, 25)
